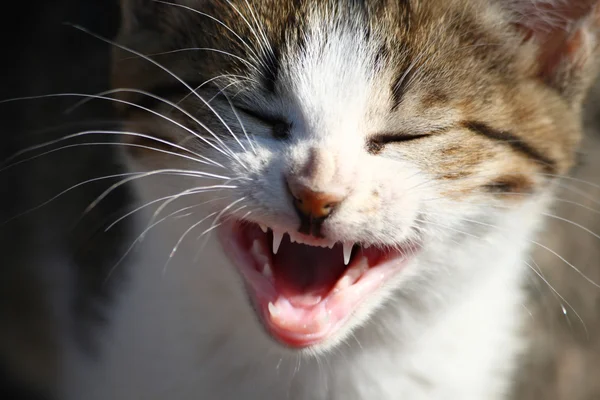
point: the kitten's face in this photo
(361, 143)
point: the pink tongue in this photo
(303, 273)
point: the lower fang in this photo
(353, 274)
(267, 272)
(357, 269)
(344, 283)
(273, 310)
(258, 253)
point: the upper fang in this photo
(263, 228)
(347, 252)
(277, 237)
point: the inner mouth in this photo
(305, 288)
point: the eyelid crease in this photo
(385, 138)
(390, 137)
(269, 119)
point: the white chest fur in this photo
(187, 332)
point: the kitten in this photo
(341, 194)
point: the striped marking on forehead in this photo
(519, 145)
(332, 75)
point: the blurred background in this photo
(43, 55)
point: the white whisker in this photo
(215, 226)
(168, 71)
(584, 276)
(226, 151)
(447, 227)
(252, 51)
(214, 78)
(530, 241)
(133, 105)
(222, 90)
(597, 236)
(558, 296)
(178, 172)
(106, 132)
(243, 60)
(176, 247)
(92, 144)
(260, 28)
(137, 240)
(45, 203)
(237, 116)
(169, 201)
(570, 178)
(252, 30)
(221, 214)
(198, 190)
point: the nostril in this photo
(313, 204)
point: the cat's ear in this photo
(566, 37)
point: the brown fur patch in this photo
(435, 98)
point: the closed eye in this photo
(280, 128)
(377, 142)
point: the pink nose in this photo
(311, 204)
(316, 189)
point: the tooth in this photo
(267, 272)
(347, 252)
(256, 247)
(331, 245)
(292, 237)
(277, 238)
(258, 253)
(344, 283)
(353, 274)
(273, 310)
(263, 228)
(358, 269)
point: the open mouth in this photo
(305, 288)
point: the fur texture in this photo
(443, 123)
(494, 114)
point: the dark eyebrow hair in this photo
(399, 88)
(268, 118)
(512, 140)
